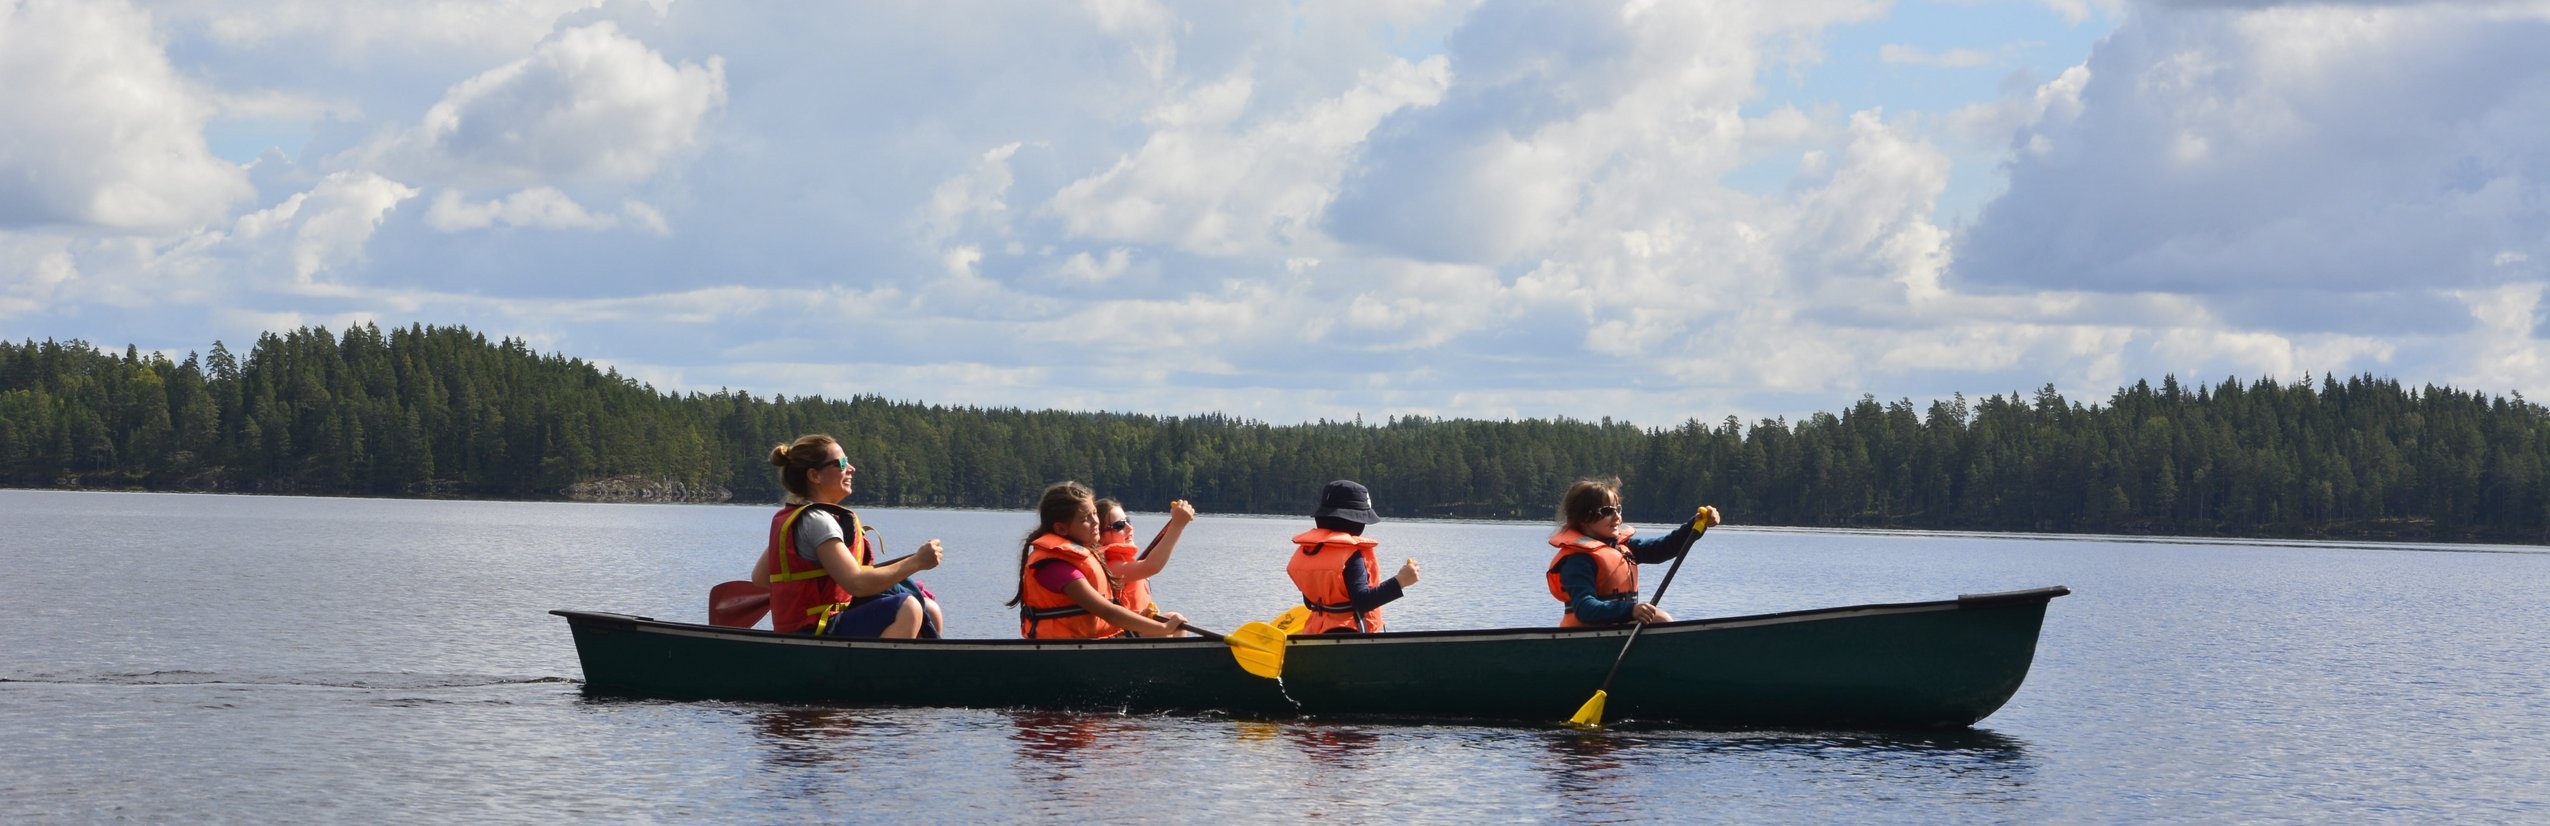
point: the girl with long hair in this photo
(1064, 588)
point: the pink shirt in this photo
(1056, 575)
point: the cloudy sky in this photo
(1653, 211)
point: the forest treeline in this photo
(444, 411)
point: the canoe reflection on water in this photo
(813, 736)
(1589, 769)
(1337, 745)
(1063, 739)
(1043, 764)
(1069, 738)
(1586, 768)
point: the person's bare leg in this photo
(907, 621)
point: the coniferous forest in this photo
(442, 411)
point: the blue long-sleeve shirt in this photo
(1368, 597)
(1576, 575)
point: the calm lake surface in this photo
(203, 658)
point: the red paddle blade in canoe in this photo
(737, 604)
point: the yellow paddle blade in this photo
(1591, 715)
(1292, 619)
(1259, 649)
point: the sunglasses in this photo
(1120, 525)
(1607, 510)
(842, 463)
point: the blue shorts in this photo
(867, 619)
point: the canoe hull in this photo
(638, 657)
(1911, 665)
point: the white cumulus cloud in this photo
(325, 228)
(100, 129)
(32, 270)
(2325, 148)
(1204, 181)
(589, 104)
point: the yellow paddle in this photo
(1259, 647)
(1290, 622)
(1590, 715)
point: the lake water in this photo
(203, 658)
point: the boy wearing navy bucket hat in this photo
(1334, 568)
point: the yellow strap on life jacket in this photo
(788, 549)
(829, 611)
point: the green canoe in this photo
(1946, 663)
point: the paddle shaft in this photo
(1670, 570)
(1154, 543)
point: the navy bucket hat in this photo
(1348, 501)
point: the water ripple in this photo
(352, 680)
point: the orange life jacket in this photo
(1615, 574)
(1044, 613)
(1319, 570)
(806, 599)
(1134, 595)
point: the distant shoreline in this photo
(2325, 540)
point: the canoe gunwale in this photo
(2012, 597)
(649, 625)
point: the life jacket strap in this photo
(788, 547)
(1337, 608)
(1607, 598)
(1621, 595)
(827, 611)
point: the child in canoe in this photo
(1595, 572)
(1064, 588)
(1334, 567)
(1134, 566)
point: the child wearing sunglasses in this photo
(1595, 573)
(1134, 566)
(1064, 588)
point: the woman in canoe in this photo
(1333, 565)
(1595, 573)
(1064, 589)
(1134, 566)
(820, 564)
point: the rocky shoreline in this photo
(641, 489)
